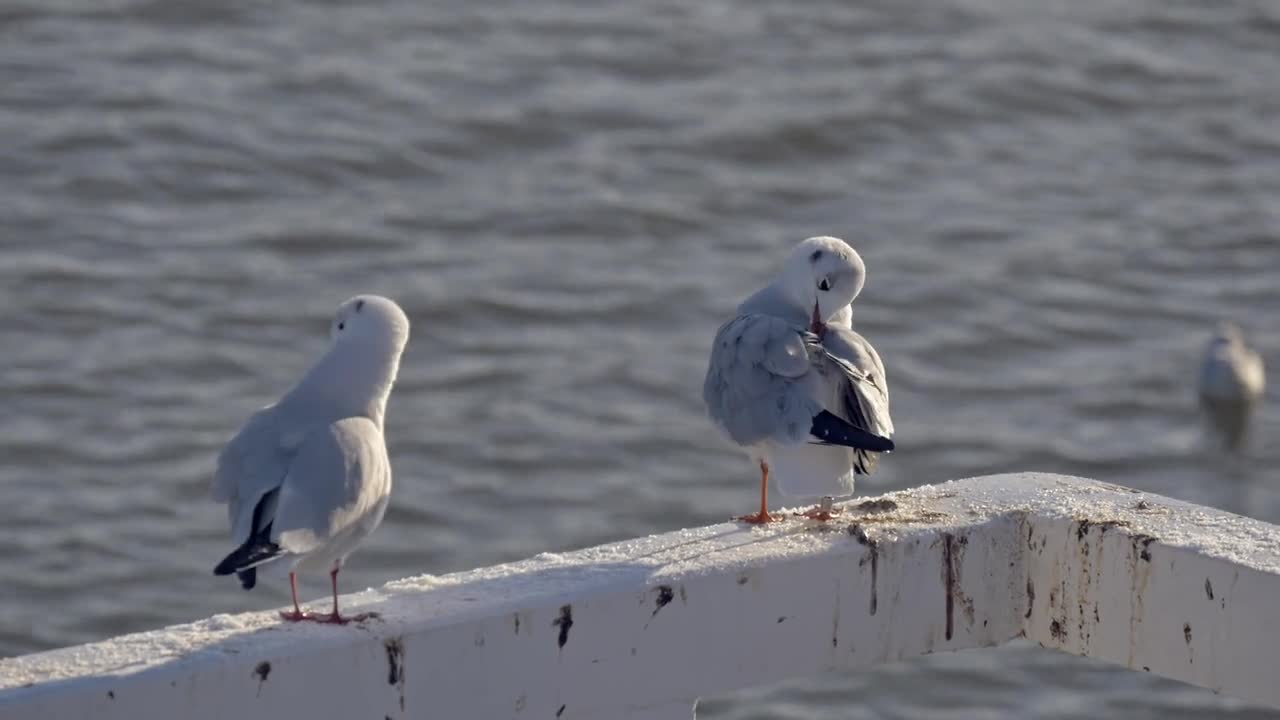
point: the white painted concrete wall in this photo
(641, 628)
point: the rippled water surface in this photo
(1055, 201)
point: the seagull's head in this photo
(1228, 333)
(823, 275)
(370, 319)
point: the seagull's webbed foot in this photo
(329, 618)
(761, 518)
(823, 512)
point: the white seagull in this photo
(794, 385)
(1232, 381)
(307, 479)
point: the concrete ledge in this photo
(641, 628)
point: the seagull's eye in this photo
(824, 284)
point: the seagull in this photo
(307, 479)
(1232, 381)
(790, 381)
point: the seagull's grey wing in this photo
(854, 377)
(251, 468)
(337, 482)
(755, 384)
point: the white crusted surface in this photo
(983, 529)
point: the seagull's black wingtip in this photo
(244, 559)
(832, 430)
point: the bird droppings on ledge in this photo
(860, 534)
(1145, 541)
(952, 556)
(395, 656)
(875, 573)
(395, 665)
(565, 621)
(1057, 631)
(948, 583)
(873, 556)
(1084, 524)
(665, 596)
(1031, 598)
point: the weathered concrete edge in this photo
(619, 583)
(1121, 594)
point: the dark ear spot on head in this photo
(815, 256)
(359, 305)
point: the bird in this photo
(789, 381)
(1232, 382)
(306, 479)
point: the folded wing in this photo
(855, 386)
(336, 484)
(252, 466)
(768, 381)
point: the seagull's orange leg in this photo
(763, 516)
(297, 613)
(335, 617)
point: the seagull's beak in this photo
(817, 327)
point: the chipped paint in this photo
(394, 648)
(873, 557)
(564, 622)
(395, 655)
(949, 582)
(665, 596)
(1031, 597)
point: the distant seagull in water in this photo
(307, 479)
(1232, 381)
(791, 383)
